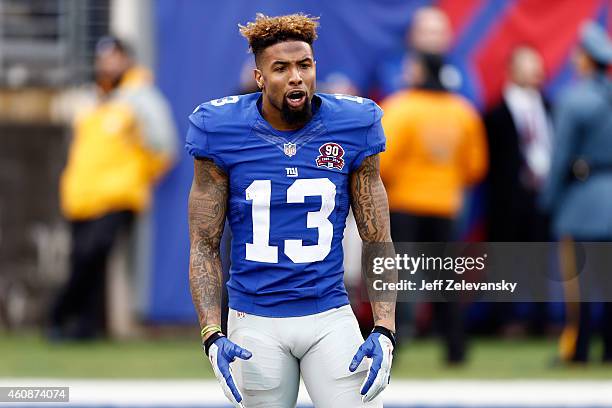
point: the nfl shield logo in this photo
(290, 149)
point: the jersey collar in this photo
(300, 137)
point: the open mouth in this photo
(296, 98)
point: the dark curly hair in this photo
(266, 31)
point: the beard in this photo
(294, 117)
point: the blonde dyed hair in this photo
(266, 31)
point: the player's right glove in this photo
(221, 352)
(379, 347)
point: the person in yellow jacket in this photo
(436, 147)
(121, 146)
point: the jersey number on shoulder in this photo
(225, 100)
(260, 192)
(351, 98)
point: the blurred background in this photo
(487, 85)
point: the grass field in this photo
(31, 356)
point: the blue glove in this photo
(378, 347)
(221, 352)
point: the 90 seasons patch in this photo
(331, 156)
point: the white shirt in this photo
(534, 128)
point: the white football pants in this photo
(320, 347)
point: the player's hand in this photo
(221, 353)
(379, 347)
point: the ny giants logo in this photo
(331, 156)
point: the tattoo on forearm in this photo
(371, 211)
(384, 314)
(383, 302)
(207, 208)
(369, 202)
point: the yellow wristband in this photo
(211, 328)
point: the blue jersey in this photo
(289, 196)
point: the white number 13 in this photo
(260, 192)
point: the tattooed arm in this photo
(371, 211)
(207, 206)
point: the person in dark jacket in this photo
(519, 134)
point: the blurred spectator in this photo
(429, 32)
(519, 135)
(338, 83)
(579, 190)
(436, 148)
(120, 148)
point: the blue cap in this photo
(595, 41)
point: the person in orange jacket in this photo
(436, 148)
(121, 147)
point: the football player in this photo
(284, 165)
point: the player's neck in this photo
(274, 117)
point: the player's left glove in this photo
(221, 352)
(379, 347)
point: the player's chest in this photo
(280, 168)
(273, 157)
